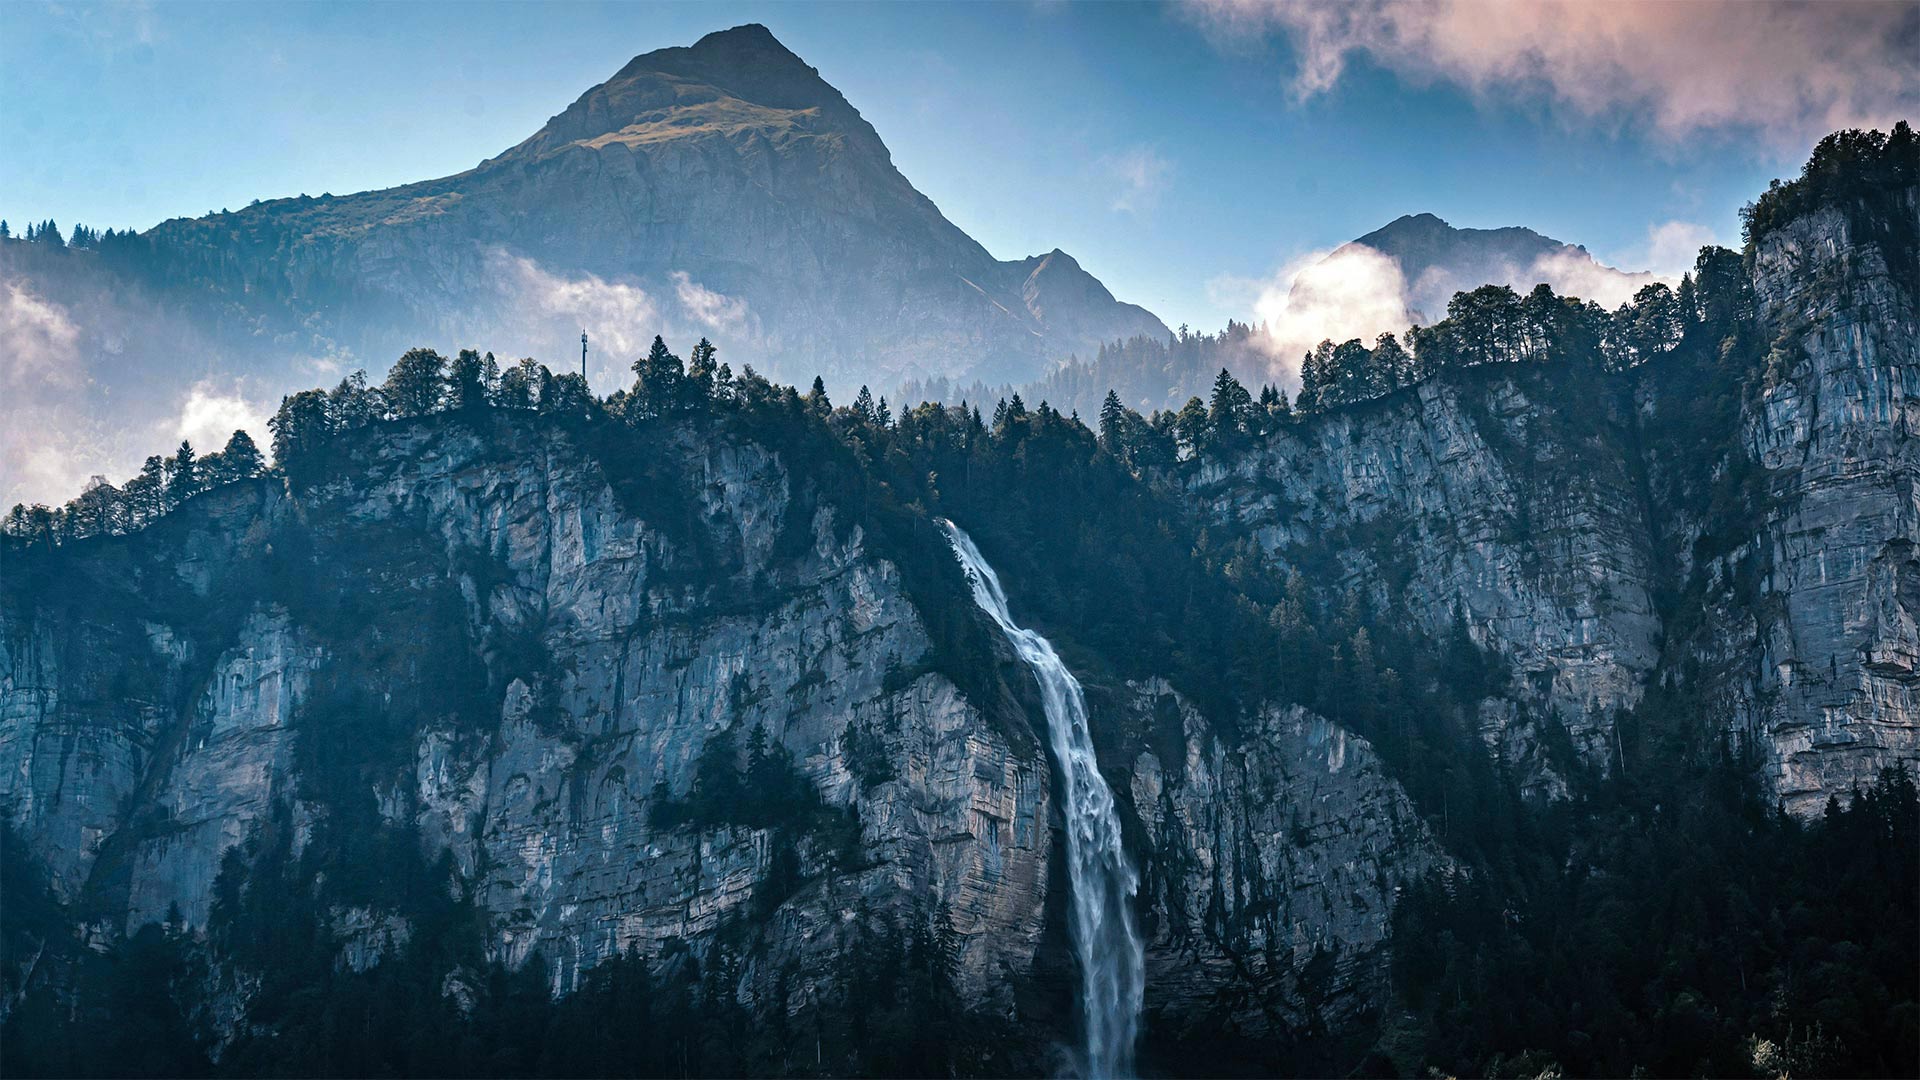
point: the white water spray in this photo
(1103, 881)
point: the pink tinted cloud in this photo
(1788, 71)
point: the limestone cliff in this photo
(1565, 519)
(1812, 633)
(485, 638)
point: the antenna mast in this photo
(583, 356)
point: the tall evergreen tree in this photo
(816, 398)
(1230, 409)
(415, 383)
(183, 475)
(467, 387)
(241, 459)
(702, 372)
(1112, 414)
(300, 430)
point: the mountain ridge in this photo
(721, 190)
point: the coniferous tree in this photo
(1313, 379)
(241, 459)
(1111, 415)
(1391, 361)
(352, 404)
(150, 488)
(1652, 324)
(183, 475)
(1230, 410)
(701, 372)
(1192, 427)
(1351, 374)
(466, 381)
(301, 430)
(415, 385)
(659, 381)
(816, 398)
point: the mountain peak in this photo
(747, 61)
(749, 36)
(729, 81)
(1437, 259)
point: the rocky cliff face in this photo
(522, 663)
(541, 799)
(1547, 510)
(1274, 867)
(1815, 610)
(1474, 498)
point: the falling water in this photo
(1103, 881)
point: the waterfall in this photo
(1102, 880)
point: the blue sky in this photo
(1179, 152)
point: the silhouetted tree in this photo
(414, 385)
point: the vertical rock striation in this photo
(1817, 665)
(1545, 508)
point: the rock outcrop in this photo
(1274, 868)
(1550, 510)
(1478, 498)
(1814, 641)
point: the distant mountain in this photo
(1398, 275)
(1438, 260)
(742, 194)
(723, 189)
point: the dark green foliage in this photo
(1670, 929)
(126, 1015)
(660, 384)
(240, 460)
(436, 1006)
(1864, 174)
(183, 475)
(415, 385)
(865, 750)
(469, 380)
(31, 920)
(769, 793)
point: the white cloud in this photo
(1574, 273)
(621, 318)
(716, 311)
(209, 416)
(48, 446)
(1789, 71)
(1672, 247)
(1353, 291)
(1141, 175)
(38, 341)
